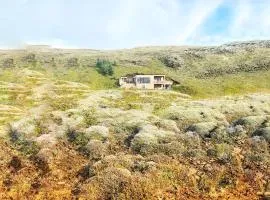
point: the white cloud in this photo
(134, 14)
(251, 19)
(121, 18)
(248, 20)
(158, 21)
(129, 23)
(195, 17)
(242, 18)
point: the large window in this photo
(143, 80)
(128, 80)
(159, 78)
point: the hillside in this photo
(202, 71)
(68, 132)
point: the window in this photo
(127, 80)
(130, 80)
(159, 78)
(143, 80)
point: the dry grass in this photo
(74, 134)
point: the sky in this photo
(117, 24)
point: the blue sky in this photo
(114, 24)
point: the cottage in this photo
(145, 82)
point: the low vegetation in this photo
(68, 132)
(104, 67)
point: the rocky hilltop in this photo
(235, 46)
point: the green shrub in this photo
(258, 152)
(143, 166)
(27, 147)
(104, 67)
(172, 61)
(113, 182)
(30, 59)
(77, 138)
(185, 89)
(72, 62)
(62, 103)
(89, 117)
(8, 63)
(192, 153)
(40, 128)
(96, 149)
(13, 134)
(223, 153)
(86, 172)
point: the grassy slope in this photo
(141, 60)
(30, 85)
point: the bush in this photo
(143, 166)
(8, 63)
(15, 163)
(77, 138)
(27, 147)
(40, 128)
(149, 138)
(72, 62)
(86, 172)
(251, 123)
(223, 152)
(204, 129)
(96, 149)
(258, 152)
(113, 182)
(263, 132)
(172, 61)
(89, 117)
(97, 133)
(62, 103)
(30, 59)
(41, 163)
(104, 67)
(185, 89)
